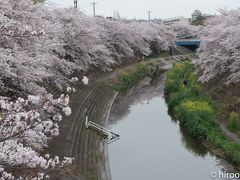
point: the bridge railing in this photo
(189, 36)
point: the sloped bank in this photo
(86, 147)
(197, 112)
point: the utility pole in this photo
(149, 15)
(94, 8)
(75, 3)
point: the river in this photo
(153, 146)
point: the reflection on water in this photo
(152, 145)
(141, 94)
(191, 144)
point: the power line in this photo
(94, 8)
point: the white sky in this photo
(160, 8)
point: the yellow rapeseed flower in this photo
(197, 106)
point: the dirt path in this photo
(229, 97)
(228, 134)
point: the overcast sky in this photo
(160, 8)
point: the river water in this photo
(153, 146)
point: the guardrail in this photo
(106, 133)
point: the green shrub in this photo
(127, 80)
(234, 122)
(197, 112)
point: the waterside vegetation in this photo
(197, 112)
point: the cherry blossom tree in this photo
(29, 54)
(101, 43)
(127, 39)
(82, 40)
(30, 48)
(40, 45)
(185, 29)
(25, 128)
(219, 51)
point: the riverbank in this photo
(89, 150)
(87, 147)
(127, 79)
(152, 144)
(197, 112)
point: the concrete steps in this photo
(94, 101)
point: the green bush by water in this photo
(159, 55)
(196, 111)
(127, 80)
(234, 123)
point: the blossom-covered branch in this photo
(220, 48)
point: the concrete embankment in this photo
(88, 148)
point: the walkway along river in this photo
(152, 145)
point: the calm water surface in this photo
(154, 147)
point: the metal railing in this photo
(106, 133)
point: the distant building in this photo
(170, 21)
(158, 21)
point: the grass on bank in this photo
(196, 111)
(159, 55)
(234, 123)
(126, 80)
